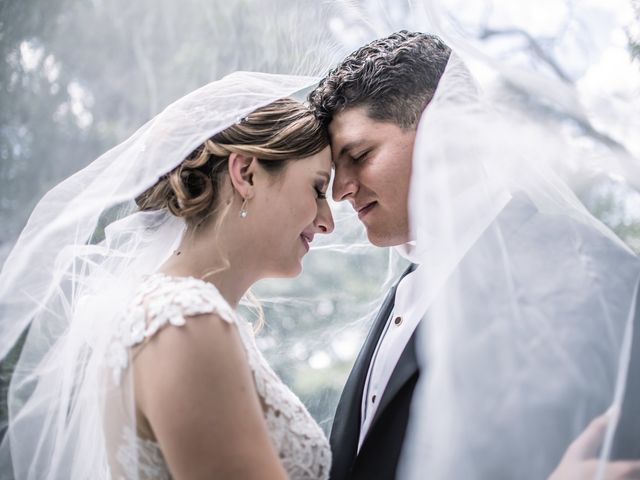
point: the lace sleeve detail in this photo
(162, 301)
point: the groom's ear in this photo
(241, 172)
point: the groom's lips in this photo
(363, 211)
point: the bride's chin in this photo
(284, 271)
(293, 270)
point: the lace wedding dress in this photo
(167, 302)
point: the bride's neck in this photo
(197, 257)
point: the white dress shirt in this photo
(404, 318)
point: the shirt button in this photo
(397, 320)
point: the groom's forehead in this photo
(349, 116)
(353, 130)
(348, 129)
(355, 124)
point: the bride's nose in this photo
(324, 219)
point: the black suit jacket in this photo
(523, 228)
(380, 451)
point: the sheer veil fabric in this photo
(528, 299)
(73, 272)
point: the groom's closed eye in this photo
(359, 157)
(348, 149)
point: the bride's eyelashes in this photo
(320, 194)
(321, 185)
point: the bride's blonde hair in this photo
(283, 131)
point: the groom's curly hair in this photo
(393, 77)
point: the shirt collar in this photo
(410, 251)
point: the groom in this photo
(371, 104)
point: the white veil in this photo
(79, 248)
(528, 299)
(73, 271)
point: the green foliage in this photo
(316, 323)
(77, 77)
(6, 370)
(617, 205)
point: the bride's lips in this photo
(364, 210)
(306, 240)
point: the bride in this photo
(136, 363)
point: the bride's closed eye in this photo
(320, 194)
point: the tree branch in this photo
(534, 45)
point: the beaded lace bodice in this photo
(167, 302)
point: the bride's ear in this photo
(241, 173)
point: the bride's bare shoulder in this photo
(194, 387)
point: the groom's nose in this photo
(344, 184)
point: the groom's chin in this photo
(386, 239)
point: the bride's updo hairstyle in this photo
(285, 130)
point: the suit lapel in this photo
(345, 431)
(406, 367)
